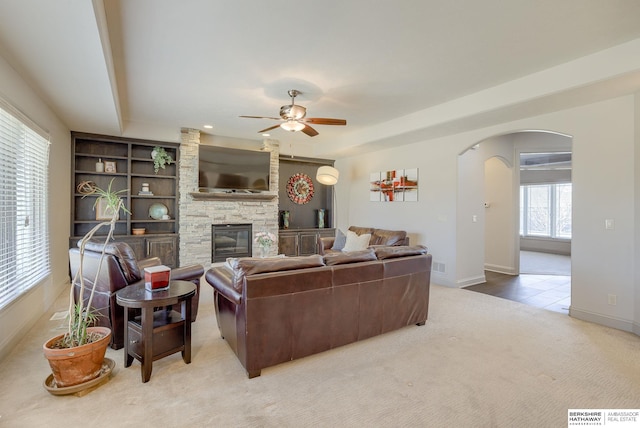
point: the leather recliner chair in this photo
(120, 268)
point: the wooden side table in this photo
(156, 334)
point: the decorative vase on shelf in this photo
(284, 219)
(321, 218)
(263, 252)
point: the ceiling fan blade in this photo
(261, 117)
(309, 131)
(269, 129)
(324, 121)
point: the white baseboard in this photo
(607, 321)
(508, 270)
(466, 282)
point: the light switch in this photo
(608, 224)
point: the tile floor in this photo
(547, 283)
(552, 292)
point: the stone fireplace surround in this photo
(197, 215)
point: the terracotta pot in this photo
(73, 366)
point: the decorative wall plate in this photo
(300, 188)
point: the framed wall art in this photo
(110, 166)
(399, 185)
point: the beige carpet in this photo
(480, 361)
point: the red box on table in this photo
(156, 277)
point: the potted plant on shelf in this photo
(77, 356)
(160, 158)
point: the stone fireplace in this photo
(199, 213)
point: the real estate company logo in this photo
(603, 417)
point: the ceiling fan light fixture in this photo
(292, 125)
(294, 118)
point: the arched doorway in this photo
(545, 155)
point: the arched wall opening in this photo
(488, 204)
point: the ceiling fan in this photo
(293, 118)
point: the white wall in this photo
(604, 187)
(470, 218)
(19, 316)
(431, 221)
(500, 214)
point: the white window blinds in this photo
(24, 232)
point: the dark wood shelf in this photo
(233, 196)
(134, 167)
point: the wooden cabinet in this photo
(126, 165)
(301, 242)
(288, 243)
(166, 248)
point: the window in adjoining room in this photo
(545, 210)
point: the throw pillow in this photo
(341, 239)
(356, 242)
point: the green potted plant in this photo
(67, 351)
(160, 158)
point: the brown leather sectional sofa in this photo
(275, 310)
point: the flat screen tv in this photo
(233, 170)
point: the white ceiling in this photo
(146, 68)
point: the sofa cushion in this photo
(361, 230)
(232, 262)
(387, 237)
(341, 239)
(356, 242)
(381, 236)
(251, 266)
(390, 252)
(349, 257)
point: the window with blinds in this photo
(24, 232)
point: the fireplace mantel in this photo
(234, 196)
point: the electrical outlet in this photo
(612, 299)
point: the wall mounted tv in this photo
(233, 170)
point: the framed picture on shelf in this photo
(110, 166)
(103, 211)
